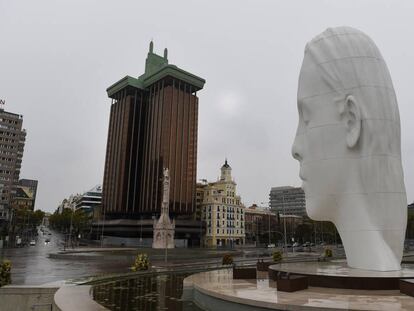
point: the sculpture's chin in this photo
(320, 208)
(314, 213)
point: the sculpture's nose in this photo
(297, 149)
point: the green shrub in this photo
(5, 272)
(277, 256)
(227, 259)
(328, 252)
(141, 262)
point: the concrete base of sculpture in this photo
(337, 274)
(219, 290)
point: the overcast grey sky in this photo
(58, 57)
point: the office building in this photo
(90, 200)
(68, 203)
(288, 200)
(261, 226)
(12, 139)
(153, 125)
(222, 211)
(23, 199)
(32, 185)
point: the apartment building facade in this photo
(12, 140)
(222, 211)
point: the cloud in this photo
(57, 60)
(230, 103)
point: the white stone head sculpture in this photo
(349, 147)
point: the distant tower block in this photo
(153, 124)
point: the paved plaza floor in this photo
(219, 287)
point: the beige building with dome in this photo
(222, 210)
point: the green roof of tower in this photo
(156, 68)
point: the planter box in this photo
(244, 273)
(263, 266)
(407, 287)
(292, 283)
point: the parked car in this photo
(32, 243)
(297, 247)
(271, 246)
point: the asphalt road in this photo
(31, 265)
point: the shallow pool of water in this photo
(146, 292)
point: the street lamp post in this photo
(70, 229)
(140, 233)
(201, 223)
(268, 218)
(103, 226)
(322, 232)
(284, 222)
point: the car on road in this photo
(32, 243)
(297, 247)
(271, 246)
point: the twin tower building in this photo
(153, 125)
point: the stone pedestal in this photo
(164, 228)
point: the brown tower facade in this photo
(153, 125)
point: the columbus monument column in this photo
(164, 228)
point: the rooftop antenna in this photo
(2, 103)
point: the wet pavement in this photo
(31, 265)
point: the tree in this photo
(410, 225)
(38, 216)
(24, 223)
(81, 222)
(303, 232)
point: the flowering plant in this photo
(141, 262)
(5, 272)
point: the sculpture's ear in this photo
(352, 117)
